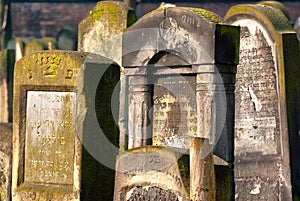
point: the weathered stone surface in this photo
(47, 153)
(148, 173)
(100, 32)
(5, 161)
(7, 61)
(157, 44)
(262, 121)
(180, 87)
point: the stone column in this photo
(139, 124)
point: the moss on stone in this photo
(274, 18)
(277, 5)
(210, 16)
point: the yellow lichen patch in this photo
(212, 17)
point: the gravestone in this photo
(34, 45)
(266, 113)
(47, 149)
(101, 33)
(7, 62)
(180, 65)
(67, 39)
(50, 43)
(5, 161)
(148, 173)
(17, 44)
(98, 103)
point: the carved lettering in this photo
(256, 119)
(49, 144)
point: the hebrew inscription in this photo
(174, 112)
(49, 144)
(257, 115)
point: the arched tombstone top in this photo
(276, 5)
(195, 35)
(273, 19)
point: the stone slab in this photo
(7, 62)
(47, 151)
(5, 161)
(148, 173)
(262, 129)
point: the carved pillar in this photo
(139, 123)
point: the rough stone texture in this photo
(45, 140)
(182, 38)
(100, 32)
(147, 173)
(7, 61)
(5, 161)
(180, 86)
(262, 121)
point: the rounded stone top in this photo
(272, 18)
(276, 5)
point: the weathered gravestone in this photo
(5, 161)
(101, 33)
(48, 160)
(148, 173)
(17, 44)
(67, 39)
(47, 153)
(267, 112)
(7, 61)
(180, 64)
(98, 103)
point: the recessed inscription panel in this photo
(174, 111)
(49, 145)
(256, 112)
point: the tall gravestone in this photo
(7, 61)
(180, 66)
(5, 161)
(266, 113)
(101, 33)
(48, 162)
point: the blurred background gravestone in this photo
(7, 61)
(67, 39)
(267, 113)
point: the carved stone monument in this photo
(148, 173)
(266, 113)
(7, 61)
(46, 149)
(180, 64)
(5, 161)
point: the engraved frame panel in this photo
(22, 182)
